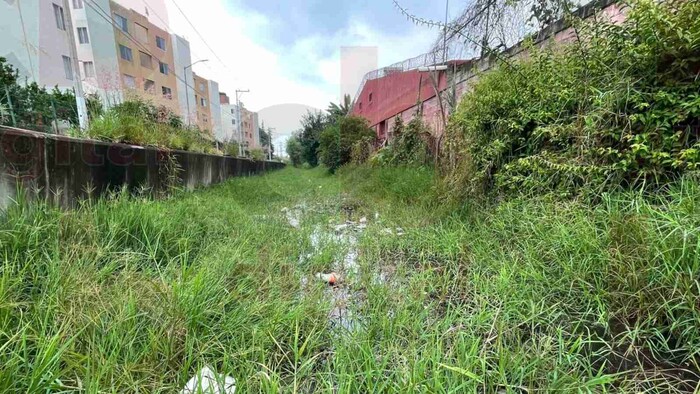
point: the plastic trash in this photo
(207, 381)
(332, 278)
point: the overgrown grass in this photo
(531, 294)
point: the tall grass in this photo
(128, 295)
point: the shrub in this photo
(619, 107)
(231, 148)
(362, 150)
(257, 154)
(337, 140)
(410, 146)
(141, 123)
(295, 150)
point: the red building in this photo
(401, 93)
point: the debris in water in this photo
(292, 216)
(332, 278)
(207, 381)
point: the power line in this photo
(199, 34)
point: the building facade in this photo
(185, 84)
(201, 98)
(229, 119)
(145, 58)
(214, 108)
(36, 42)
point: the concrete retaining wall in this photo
(64, 170)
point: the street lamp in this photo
(187, 92)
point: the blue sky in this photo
(288, 51)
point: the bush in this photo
(337, 140)
(257, 154)
(295, 150)
(141, 123)
(410, 146)
(231, 148)
(619, 107)
(362, 150)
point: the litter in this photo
(332, 278)
(207, 381)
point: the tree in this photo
(295, 150)
(337, 140)
(312, 124)
(336, 111)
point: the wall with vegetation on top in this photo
(65, 170)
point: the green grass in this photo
(530, 294)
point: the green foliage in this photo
(337, 111)
(312, 124)
(33, 107)
(257, 154)
(295, 151)
(409, 147)
(231, 148)
(362, 150)
(620, 107)
(141, 123)
(337, 140)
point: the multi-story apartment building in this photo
(145, 58)
(123, 50)
(185, 84)
(249, 128)
(35, 40)
(229, 120)
(202, 106)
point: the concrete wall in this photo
(65, 170)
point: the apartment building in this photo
(249, 126)
(35, 40)
(185, 84)
(202, 108)
(229, 120)
(214, 108)
(94, 41)
(145, 58)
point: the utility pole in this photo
(78, 83)
(238, 120)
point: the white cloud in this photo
(308, 72)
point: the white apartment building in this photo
(186, 96)
(34, 39)
(95, 45)
(215, 108)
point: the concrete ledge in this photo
(65, 170)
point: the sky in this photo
(288, 51)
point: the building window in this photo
(122, 23)
(149, 86)
(88, 69)
(203, 102)
(232, 111)
(370, 97)
(68, 67)
(360, 105)
(146, 60)
(233, 122)
(60, 20)
(163, 68)
(83, 35)
(167, 93)
(201, 87)
(129, 81)
(141, 33)
(125, 53)
(77, 4)
(160, 42)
